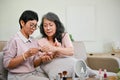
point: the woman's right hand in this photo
(32, 51)
(57, 44)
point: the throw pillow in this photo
(58, 65)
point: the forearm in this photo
(65, 51)
(19, 59)
(14, 62)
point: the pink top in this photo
(18, 45)
(66, 42)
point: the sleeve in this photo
(9, 51)
(66, 41)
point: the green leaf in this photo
(71, 37)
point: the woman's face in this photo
(49, 27)
(29, 27)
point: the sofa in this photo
(80, 53)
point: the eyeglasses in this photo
(32, 26)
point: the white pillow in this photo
(59, 65)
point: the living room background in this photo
(105, 16)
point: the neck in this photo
(51, 41)
(27, 36)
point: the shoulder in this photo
(11, 43)
(65, 34)
(13, 38)
(66, 41)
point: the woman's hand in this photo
(31, 52)
(48, 48)
(46, 58)
(57, 44)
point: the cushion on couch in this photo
(59, 65)
(3, 71)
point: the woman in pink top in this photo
(22, 55)
(55, 41)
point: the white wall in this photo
(107, 18)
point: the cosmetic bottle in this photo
(105, 74)
(64, 75)
(100, 74)
(59, 76)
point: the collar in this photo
(23, 38)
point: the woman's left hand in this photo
(46, 58)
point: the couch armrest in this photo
(110, 63)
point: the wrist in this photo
(26, 55)
(23, 55)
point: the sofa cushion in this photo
(59, 65)
(3, 71)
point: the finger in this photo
(43, 59)
(49, 58)
(56, 40)
(40, 50)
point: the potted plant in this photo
(71, 37)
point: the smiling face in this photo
(28, 28)
(49, 28)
